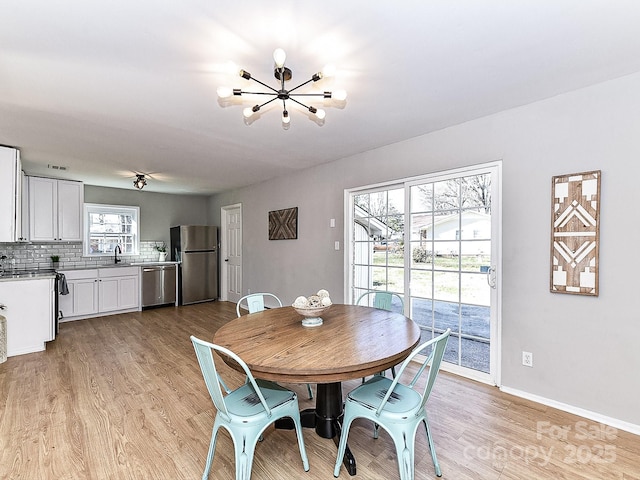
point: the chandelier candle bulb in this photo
(224, 92)
(328, 71)
(340, 95)
(279, 57)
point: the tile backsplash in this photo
(38, 255)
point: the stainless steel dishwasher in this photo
(158, 285)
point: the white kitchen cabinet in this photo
(94, 292)
(27, 304)
(82, 299)
(10, 195)
(119, 288)
(55, 209)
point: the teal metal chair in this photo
(380, 299)
(397, 408)
(255, 303)
(383, 300)
(245, 412)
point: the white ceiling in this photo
(110, 88)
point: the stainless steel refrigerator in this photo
(196, 248)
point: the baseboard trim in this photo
(596, 417)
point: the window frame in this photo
(93, 208)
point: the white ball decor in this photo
(301, 302)
(311, 307)
(315, 301)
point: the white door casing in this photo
(231, 252)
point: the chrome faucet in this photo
(117, 251)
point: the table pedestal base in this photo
(326, 418)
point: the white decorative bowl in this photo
(311, 315)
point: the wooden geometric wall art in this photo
(575, 233)
(283, 224)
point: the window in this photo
(107, 226)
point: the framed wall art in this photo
(283, 224)
(575, 233)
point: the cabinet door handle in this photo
(2, 306)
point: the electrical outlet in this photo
(527, 359)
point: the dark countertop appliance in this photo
(196, 248)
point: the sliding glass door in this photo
(434, 241)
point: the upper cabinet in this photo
(55, 210)
(10, 195)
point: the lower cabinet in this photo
(27, 304)
(82, 299)
(118, 288)
(98, 291)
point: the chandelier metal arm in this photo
(323, 95)
(299, 103)
(267, 102)
(301, 85)
(242, 92)
(263, 84)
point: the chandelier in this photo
(140, 181)
(284, 74)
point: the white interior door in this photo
(231, 252)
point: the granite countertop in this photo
(25, 274)
(143, 264)
(117, 265)
(19, 274)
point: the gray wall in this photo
(158, 211)
(585, 349)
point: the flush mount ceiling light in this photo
(140, 181)
(284, 74)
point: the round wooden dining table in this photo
(352, 342)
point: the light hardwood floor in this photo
(122, 397)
